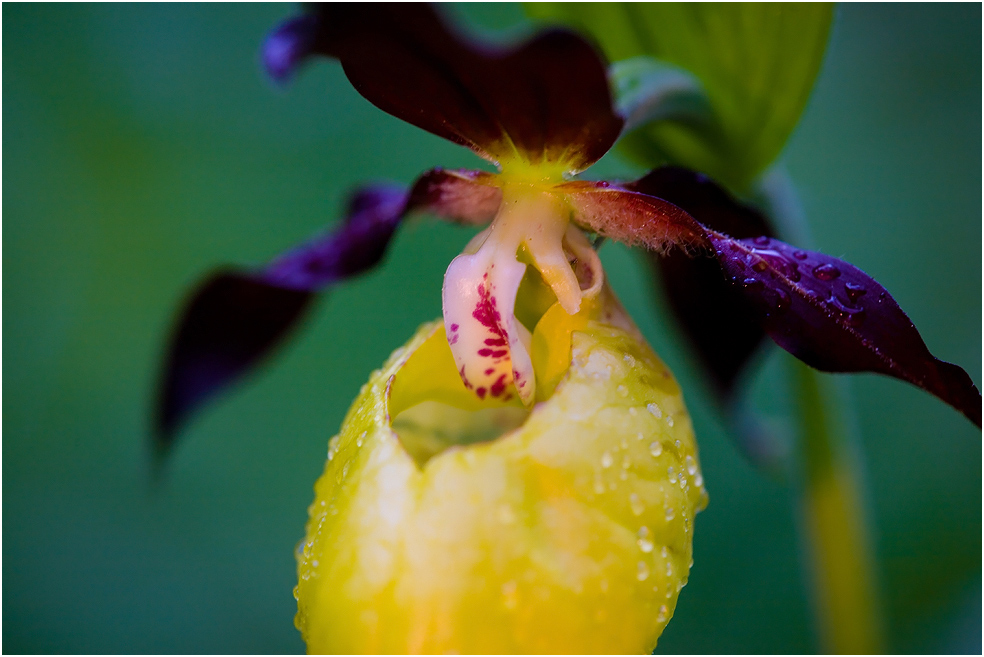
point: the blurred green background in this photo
(143, 146)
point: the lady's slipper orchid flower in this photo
(518, 543)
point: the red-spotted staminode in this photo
(542, 112)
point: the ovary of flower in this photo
(490, 346)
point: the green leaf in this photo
(756, 62)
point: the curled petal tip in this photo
(289, 45)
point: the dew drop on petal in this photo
(644, 540)
(642, 571)
(854, 291)
(655, 448)
(622, 390)
(669, 420)
(599, 485)
(672, 475)
(653, 408)
(670, 515)
(826, 272)
(636, 504)
(607, 460)
(663, 613)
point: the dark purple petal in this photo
(290, 45)
(547, 100)
(834, 317)
(230, 322)
(236, 318)
(715, 317)
(373, 215)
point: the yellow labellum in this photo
(444, 523)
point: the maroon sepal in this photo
(231, 321)
(237, 317)
(715, 317)
(834, 317)
(546, 100)
(234, 319)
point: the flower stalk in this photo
(838, 550)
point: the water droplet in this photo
(622, 390)
(623, 475)
(799, 255)
(607, 460)
(642, 571)
(358, 441)
(759, 265)
(633, 411)
(510, 595)
(669, 422)
(792, 272)
(676, 443)
(761, 240)
(854, 291)
(640, 436)
(664, 551)
(662, 615)
(752, 283)
(672, 474)
(629, 360)
(599, 485)
(655, 448)
(636, 504)
(698, 480)
(644, 539)
(654, 408)
(670, 514)
(314, 563)
(626, 463)
(297, 592)
(683, 481)
(826, 272)
(669, 569)
(691, 465)
(851, 316)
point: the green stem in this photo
(833, 518)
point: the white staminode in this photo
(491, 347)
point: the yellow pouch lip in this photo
(549, 460)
